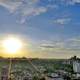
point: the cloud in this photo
(70, 2)
(71, 44)
(34, 11)
(29, 8)
(65, 48)
(55, 6)
(52, 45)
(24, 8)
(10, 5)
(74, 39)
(76, 1)
(62, 21)
(29, 12)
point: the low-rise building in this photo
(4, 73)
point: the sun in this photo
(12, 45)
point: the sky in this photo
(50, 28)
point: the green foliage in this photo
(35, 78)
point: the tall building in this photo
(76, 66)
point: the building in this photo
(4, 74)
(76, 67)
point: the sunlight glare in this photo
(12, 45)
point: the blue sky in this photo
(52, 27)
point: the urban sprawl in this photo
(39, 69)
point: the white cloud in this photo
(29, 8)
(76, 1)
(70, 2)
(71, 44)
(24, 8)
(34, 11)
(67, 47)
(10, 5)
(62, 21)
